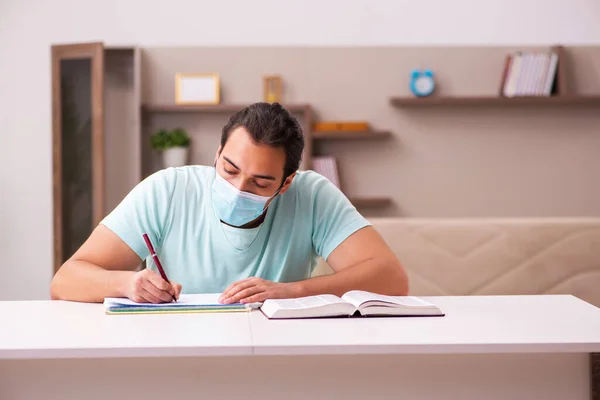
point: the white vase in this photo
(175, 157)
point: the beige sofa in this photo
(496, 256)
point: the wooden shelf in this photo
(362, 202)
(371, 202)
(229, 108)
(351, 134)
(566, 100)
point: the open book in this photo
(353, 303)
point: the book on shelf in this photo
(327, 166)
(529, 73)
(355, 303)
(332, 126)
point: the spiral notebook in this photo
(187, 303)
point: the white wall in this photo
(29, 27)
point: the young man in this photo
(250, 228)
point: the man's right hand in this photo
(146, 286)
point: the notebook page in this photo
(184, 300)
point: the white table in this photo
(517, 347)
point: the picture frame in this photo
(197, 88)
(272, 87)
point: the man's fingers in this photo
(244, 293)
(159, 282)
(231, 286)
(262, 296)
(236, 288)
(176, 288)
(163, 296)
(167, 290)
(149, 297)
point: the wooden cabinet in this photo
(95, 137)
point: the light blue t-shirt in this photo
(174, 207)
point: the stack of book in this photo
(529, 74)
(187, 303)
(327, 166)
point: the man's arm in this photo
(104, 266)
(363, 261)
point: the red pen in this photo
(157, 261)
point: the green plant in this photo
(164, 139)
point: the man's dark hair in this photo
(272, 125)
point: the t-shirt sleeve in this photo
(143, 210)
(334, 217)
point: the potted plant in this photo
(174, 145)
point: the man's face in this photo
(252, 168)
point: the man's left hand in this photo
(252, 290)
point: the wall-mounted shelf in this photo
(172, 108)
(370, 202)
(563, 100)
(359, 202)
(351, 134)
(228, 108)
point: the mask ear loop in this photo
(276, 193)
(280, 186)
(273, 196)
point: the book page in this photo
(184, 300)
(359, 297)
(307, 307)
(305, 302)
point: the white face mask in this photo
(234, 206)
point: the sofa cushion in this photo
(496, 256)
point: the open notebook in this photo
(353, 303)
(189, 303)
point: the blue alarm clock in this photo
(422, 82)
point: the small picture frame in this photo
(272, 88)
(198, 88)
